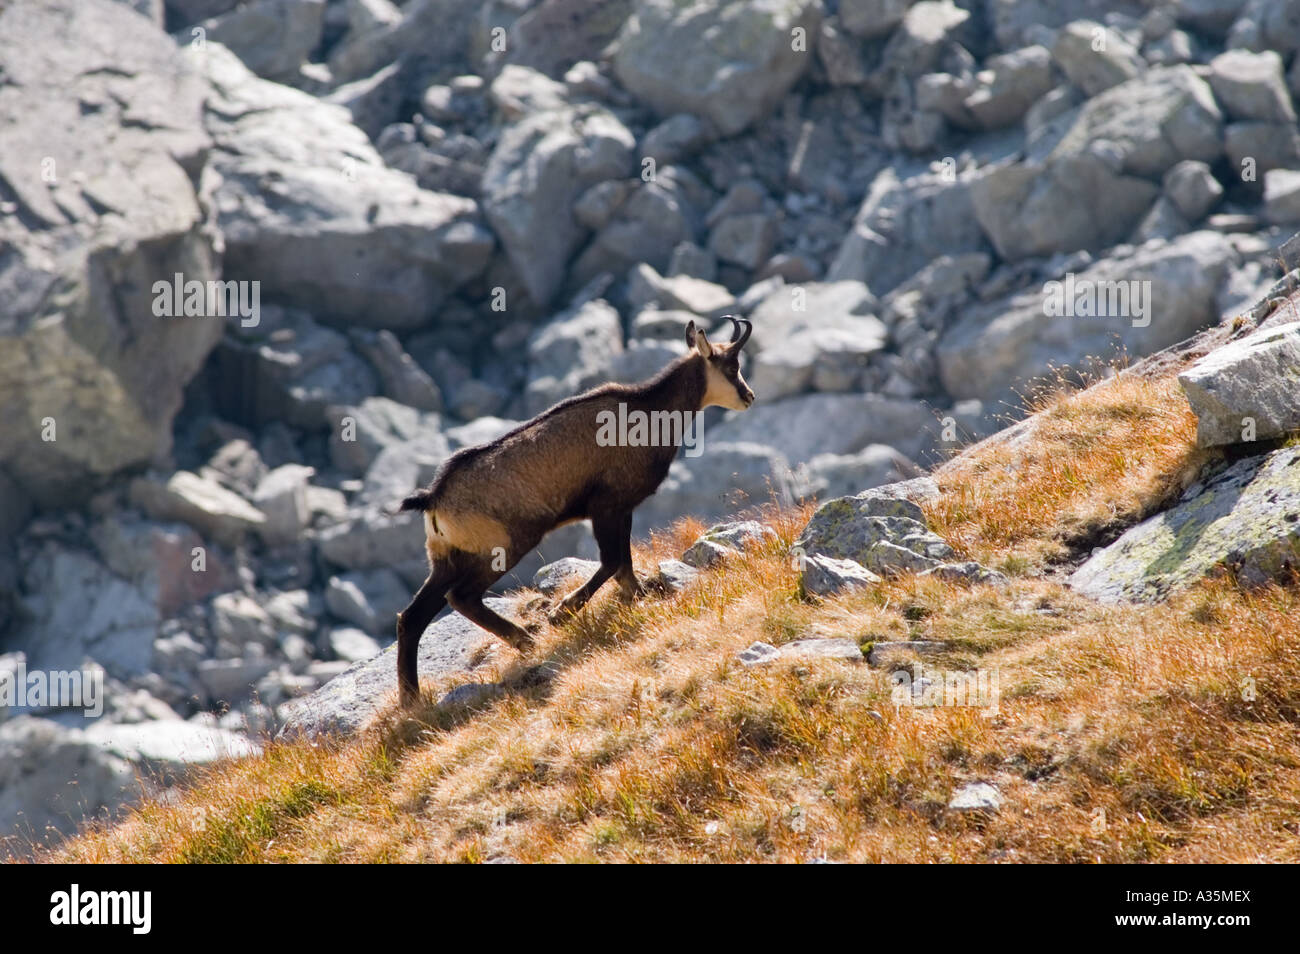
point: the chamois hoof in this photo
(408, 698)
(565, 611)
(522, 642)
(633, 593)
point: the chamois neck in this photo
(680, 386)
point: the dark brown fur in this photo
(490, 505)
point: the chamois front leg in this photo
(411, 624)
(613, 537)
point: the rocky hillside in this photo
(264, 264)
(1072, 642)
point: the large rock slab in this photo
(1246, 518)
(1247, 389)
(350, 700)
(309, 209)
(994, 351)
(102, 139)
(729, 62)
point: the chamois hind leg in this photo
(411, 624)
(608, 531)
(466, 598)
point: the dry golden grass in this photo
(1162, 733)
(1087, 463)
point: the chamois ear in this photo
(696, 338)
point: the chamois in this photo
(489, 505)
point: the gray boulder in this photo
(1251, 86)
(239, 622)
(368, 599)
(827, 576)
(1012, 82)
(715, 543)
(1151, 122)
(75, 610)
(814, 335)
(1041, 207)
(682, 293)
(571, 353)
(744, 240)
(201, 503)
(553, 36)
(538, 169)
(728, 62)
(347, 238)
(400, 377)
(1192, 188)
(1243, 518)
(360, 433)
(676, 575)
(656, 218)
(976, 798)
(52, 777)
(903, 225)
(872, 18)
(883, 530)
(272, 37)
(1246, 389)
(555, 576)
(1262, 146)
(1094, 57)
(928, 29)
(102, 143)
(801, 650)
(351, 644)
(1282, 196)
(281, 496)
(1005, 345)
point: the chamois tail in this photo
(421, 500)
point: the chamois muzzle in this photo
(741, 328)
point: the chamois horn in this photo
(740, 331)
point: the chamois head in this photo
(724, 385)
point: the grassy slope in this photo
(1122, 734)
